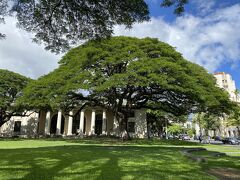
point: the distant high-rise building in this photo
(226, 82)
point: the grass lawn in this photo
(103, 159)
(229, 150)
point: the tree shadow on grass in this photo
(144, 142)
(98, 162)
(11, 139)
(109, 140)
(219, 164)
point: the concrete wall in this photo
(29, 126)
(140, 119)
(88, 116)
(231, 131)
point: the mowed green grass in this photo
(228, 149)
(100, 159)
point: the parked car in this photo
(230, 140)
(175, 137)
(217, 138)
(185, 137)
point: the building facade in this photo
(87, 122)
(224, 81)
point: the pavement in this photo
(216, 143)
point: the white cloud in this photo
(204, 7)
(19, 54)
(209, 41)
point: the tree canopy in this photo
(124, 73)
(11, 85)
(58, 24)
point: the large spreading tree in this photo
(58, 24)
(11, 86)
(122, 74)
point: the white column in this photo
(81, 125)
(115, 126)
(36, 123)
(166, 130)
(59, 122)
(47, 123)
(104, 122)
(93, 122)
(70, 121)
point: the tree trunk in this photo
(125, 133)
(148, 129)
(1, 118)
(238, 131)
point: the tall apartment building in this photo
(226, 82)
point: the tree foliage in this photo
(237, 94)
(179, 5)
(175, 129)
(3, 13)
(207, 121)
(59, 24)
(122, 74)
(158, 120)
(11, 86)
(234, 118)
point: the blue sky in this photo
(207, 34)
(202, 9)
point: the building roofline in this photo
(219, 73)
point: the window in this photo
(131, 127)
(17, 126)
